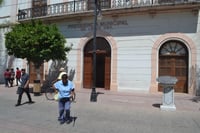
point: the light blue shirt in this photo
(64, 91)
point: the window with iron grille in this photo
(104, 4)
(39, 8)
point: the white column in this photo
(14, 11)
(198, 22)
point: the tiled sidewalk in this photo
(183, 102)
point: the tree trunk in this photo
(38, 73)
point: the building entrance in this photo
(103, 63)
(173, 61)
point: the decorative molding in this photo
(154, 58)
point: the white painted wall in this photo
(134, 40)
(134, 43)
(197, 41)
(24, 4)
(5, 11)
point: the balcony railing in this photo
(78, 6)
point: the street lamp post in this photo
(93, 97)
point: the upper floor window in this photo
(37, 3)
(103, 4)
(39, 8)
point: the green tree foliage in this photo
(36, 42)
(1, 2)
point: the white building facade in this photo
(137, 41)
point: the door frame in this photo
(80, 54)
(102, 49)
(191, 61)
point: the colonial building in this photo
(136, 41)
(8, 17)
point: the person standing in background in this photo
(18, 76)
(7, 75)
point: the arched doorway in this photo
(103, 64)
(173, 61)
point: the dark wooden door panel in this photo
(100, 70)
(107, 72)
(181, 86)
(174, 66)
(87, 77)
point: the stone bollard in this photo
(167, 82)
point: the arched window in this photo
(173, 48)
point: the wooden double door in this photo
(103, 64)
(102, 71)
(173, 61)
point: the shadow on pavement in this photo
(156, 105)
(74, 120)
(25, 103)
(196, 99)
(98, 93)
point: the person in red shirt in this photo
(18, 76)
(7, 76)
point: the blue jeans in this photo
(7, 80)
(64, 109)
